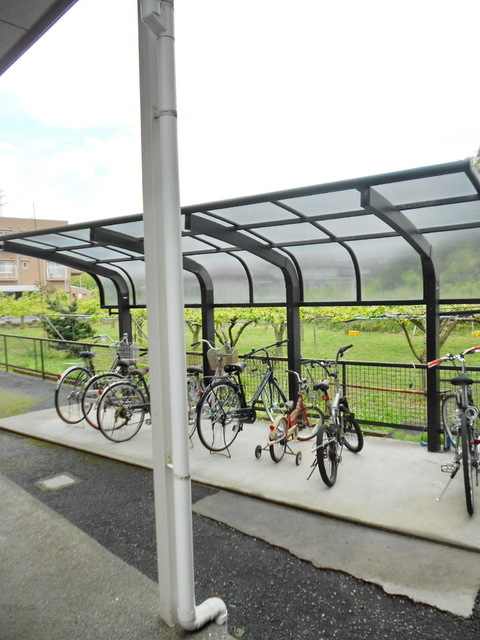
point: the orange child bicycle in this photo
(298, 422)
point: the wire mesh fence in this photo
(381, 394)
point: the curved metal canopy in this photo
(362, 241)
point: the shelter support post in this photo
(373, 202)
(432, 330)
(165, 308)
(208, 314)
(286, 266)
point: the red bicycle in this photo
(298, 422)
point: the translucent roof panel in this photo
(191, 289)
(390, 269)
(285, 233)
(230, 280)
(191, 245)
(104, 254)
(251, 213)
(457, 257)
(325, 203)
(328, 272)
(351, 240)
(59, 241)
(109, 292)
(452, 185)
(136, 272)
(446, 215)
(355, 226)
(267, 280)
(132, 229)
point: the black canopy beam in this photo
(283, 262)
(375, 203)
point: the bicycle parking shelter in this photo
(386, 239)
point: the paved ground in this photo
(269, 593)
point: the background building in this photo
(21, 273)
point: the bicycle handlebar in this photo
(226, 344)
(275, 344)
(449, 356)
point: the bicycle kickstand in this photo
(453, 474)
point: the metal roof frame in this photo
(113, 249)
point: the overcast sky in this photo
(272, 94)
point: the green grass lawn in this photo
(368, 346)
(13, 404)
(316, 341)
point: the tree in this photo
(275, 317)
(193, 320)
(63, 322)
(231, 323)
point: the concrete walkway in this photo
(391, 485)
(377, 523)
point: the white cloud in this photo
(271, 95)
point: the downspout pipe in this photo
(165, 309)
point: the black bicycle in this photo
(223, 408)
(461, 431)
(341, 427)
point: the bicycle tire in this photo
(467, 463)
(121, 411)
(327, 454)
(69, 393)
(450, 418)
(273, 400)
(218, 420)
(194, 386)
(315, 419)
(352, 434)
(278, 447)
(93, 392)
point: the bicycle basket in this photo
(126, 350)
(216, 357)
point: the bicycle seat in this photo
(126, 363)
(235, 368)
(139, 372)
(289, 406)
(197, 369)
(321, 386)
(462, 378)
(88, 355)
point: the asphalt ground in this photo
(269, 593)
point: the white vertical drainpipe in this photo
(162, 193)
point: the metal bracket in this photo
(151, 12)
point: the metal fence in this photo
(47, 358)
(381, 394)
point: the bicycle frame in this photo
(461, 432)
(248, 412)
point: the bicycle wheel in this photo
(327, 454)
(467, 462)
(69, 393)
(92, 394)
(450, 418)
(194, 392)
(273, 400)
(352, 434)
(278, 447)
(218, 419)
(121, 411)
(309, 429)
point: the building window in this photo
(24, 264)
(7, 269)
(56, 271)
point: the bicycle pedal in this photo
(450, 467)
